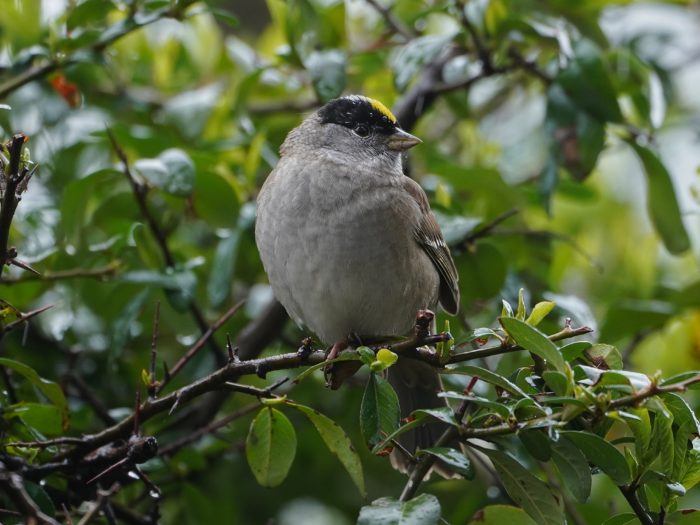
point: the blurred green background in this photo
(582, 116)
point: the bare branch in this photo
(75, 273)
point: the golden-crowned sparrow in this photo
(349, 242)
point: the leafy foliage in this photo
(558, 148)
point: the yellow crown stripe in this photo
(382, 109)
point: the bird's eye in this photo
(361, 130)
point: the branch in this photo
(480, 353)
(12, 485)
(195, 348)
(394, 23)
(173, 447)
(486, 229)
(75, 273)
(140, 190)
(630, 494)
(11, 179)
(110, 35)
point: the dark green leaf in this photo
(488, 376)
(338, 443)
(48, 388)
(587, 81)
(536, 443)
(46, 419)
(557, 382)
(662, 202)
(661, 447)
(222, 269)
(602, 454)
(532, 340)
(379, 411)
(455, 459)
(501, 514)
(626, 518)
(527, 490)
(573, 469)
(573, 351)
(270, 447)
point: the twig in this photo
(198, 346)
(555, 236)
(12, 485)
(630, 494)
(76, 273)
(394, 23)
(255, 391)
(480, 353)
(173, 447)
(486, 229)
(87, 395)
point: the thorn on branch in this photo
(232, 350)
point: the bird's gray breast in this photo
(339, 251)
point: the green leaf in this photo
(575, 137)
(539, 312)
(532, 340)
(172, 172)
(573, 469)
(602, 454)
(408, 60)
(338, 443)
(527, 490)
(662, 202)
(48, 388)
(421, 510)
(270, 447)
(379, 412)
(587, 81)
(482, 271)
(641, 428)
(604, 356)
(121, 327)
(500, 514)
(455, 459)
(661, 446)
(222, 269)
(488, 376)
(557, 382)
(40, 497)
(520, 310)
(46, 419)
(327, 70)
(536, 443)
(626, 518)
(573, 351)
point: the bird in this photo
(350, 244)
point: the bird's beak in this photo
(401, 140)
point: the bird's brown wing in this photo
(429, 237)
